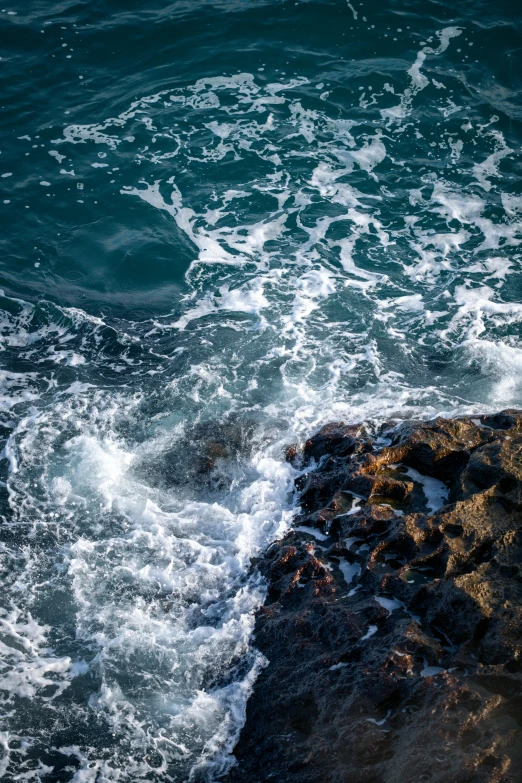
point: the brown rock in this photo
(395, 646)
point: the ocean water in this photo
(224, 223)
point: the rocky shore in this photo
(393, 623)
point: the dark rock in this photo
(292, 453)
(204, 456)
(395, 645)
(337, 438)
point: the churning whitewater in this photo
(347, 248)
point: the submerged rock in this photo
(393, 623)
(204, 456)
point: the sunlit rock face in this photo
(393, 620)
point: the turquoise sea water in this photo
(219, 218)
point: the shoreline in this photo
(392, 623)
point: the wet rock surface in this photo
(393, 623)
(204, 457)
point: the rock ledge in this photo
(393, 624)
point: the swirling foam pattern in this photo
(249, 216)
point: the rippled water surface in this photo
(224, 223)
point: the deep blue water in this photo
(259, 215)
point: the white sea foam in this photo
(372, 629)
(431, 671)
(312, 531)
(390, 604)
(489, 167)
(315, 290)
(435, 491)
(349, 571)
(164, 587)
(418, 80)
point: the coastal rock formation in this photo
(393, 622)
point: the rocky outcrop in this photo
(393, 623)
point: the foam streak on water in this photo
(346, 245)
